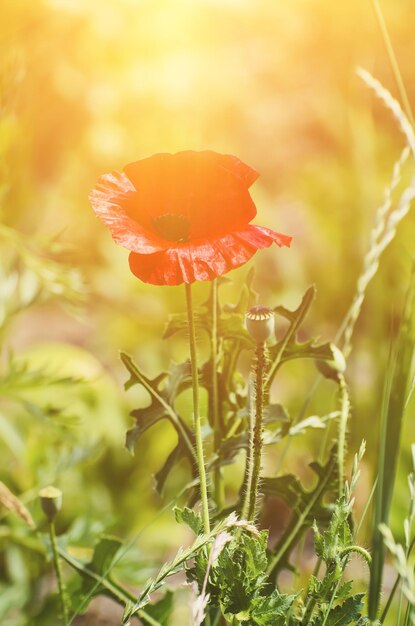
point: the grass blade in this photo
(398, 378)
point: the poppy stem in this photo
(342, 430)
(58, 572)
(255, 434)
(196, 413)
(219, 486)
(259, 366)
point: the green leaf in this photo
(189, 517)
(172, 567)
(307, 350)
(95, 574)
(337, 537)
(163, 391)
(271, 610)
(289, 347)
(178, 453)
(104, 554)
(346, 613)
(239, 584)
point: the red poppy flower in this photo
(184, 216)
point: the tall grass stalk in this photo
(383, 232)
(387, 220)
(393, 60)
(392, 104)
(398, 379)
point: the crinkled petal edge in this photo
(107, 199)
(204, 260)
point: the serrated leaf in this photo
(308, 350)
(189, 517)
(289, 347)
(346, 613)
(163, 391)
(297, 316)
(337, 536)
(271, 610)
(172, 567)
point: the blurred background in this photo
(86, 87)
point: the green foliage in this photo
(306, 506)
(69, 426)
(190, 517)
(396, 389)
(289, 347)
(349, 612)
(170, 568)
(233, 396)
(162, 407)
(238, 584)
(329, 600)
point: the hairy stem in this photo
(58, 572)
(196, 412)
(218, 478)
(256, 427)
(357, 550)
(341, 437)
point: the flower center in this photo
(172, 227)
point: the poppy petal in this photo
(107, 199)
(208, 189)
(204, 259)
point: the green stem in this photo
(256, 429)
(58, 572)
(390, 599)
(358, 550)
(218, 479)
(341, 438)
(120, 593)
(309, 611)
(196, 413)
(395, 586)
(249, 465)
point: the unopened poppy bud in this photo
(51, 501)
(260, 323)
(334, 367)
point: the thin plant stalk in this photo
(249, 464)
(218, 478)
(256, 430)
(393, 413)
(341, 437)
(393, 61)
(58, 572)
(255, 433)
(196, 412)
